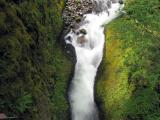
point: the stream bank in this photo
(128, 80)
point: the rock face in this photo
(74, 11)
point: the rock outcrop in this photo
(74, 11)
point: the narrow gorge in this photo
(80, 60)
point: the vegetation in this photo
(33, 69)
(129, 78)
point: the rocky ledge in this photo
(74, 11)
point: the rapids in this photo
(88, 41)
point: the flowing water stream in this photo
(88, 41)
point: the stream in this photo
(88, 41)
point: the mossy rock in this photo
(83, 31)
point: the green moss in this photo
(113, 85)
(62, 71)
(30, 60)
(130, 69)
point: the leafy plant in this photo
(24, 102)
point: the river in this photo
(88, 41)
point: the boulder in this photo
(83, 31)
(81, 39)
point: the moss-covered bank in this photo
(33, 67)
(129, 79)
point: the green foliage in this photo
(28, 49)
(23, 103)
(133, 60)
(143, 105)
(59, 98)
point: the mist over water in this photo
(88, 41)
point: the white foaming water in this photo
(89, 52)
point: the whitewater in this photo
(88, 41)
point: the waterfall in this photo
(88, 41)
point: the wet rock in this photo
(74, 11)
(114, 1)
(121, 2)
(83, 31)
(77, 33)
(78, 19)
(68, 38)
(109, 4)
(81, 39)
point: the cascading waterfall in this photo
(88, 41)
